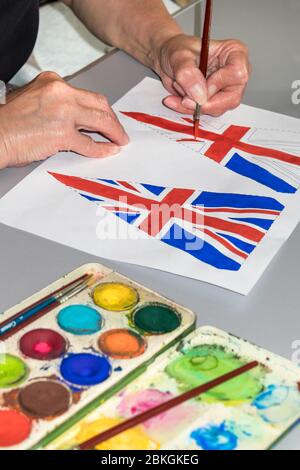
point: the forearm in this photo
(137, 26)
(4, 156)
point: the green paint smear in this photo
(156, 318)
(205, 363)
(12, 371)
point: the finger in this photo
(179, 89)
(191, 80)
(104, 122)
(223, 101)
(236, 72)
(99, 103)
(176, 104)
(169, 85)
(103, 111)
(90, 99)
(86, 146)
(189, 104)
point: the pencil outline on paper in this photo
(231, 147)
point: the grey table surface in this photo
(269, 316)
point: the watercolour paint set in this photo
(111, 349)
(250, 412)
(59, 363)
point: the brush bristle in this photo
(95, 278)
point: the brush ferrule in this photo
(77, 289)
(70, 295)
(197, 114)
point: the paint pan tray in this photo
(65, 364)
(250, 412)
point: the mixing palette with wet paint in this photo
(63, 364)
(251, 411)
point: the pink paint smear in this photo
(136, 403)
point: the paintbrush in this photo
(164, 407)
(47, 304)
(203, 59)
(43, 299)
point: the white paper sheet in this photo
(242, 205)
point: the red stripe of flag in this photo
(222, 143)
(100, 189)
(225, 243)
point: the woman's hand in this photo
(177, 63)
(47, 116)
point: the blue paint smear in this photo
(243, 167)
(157, 190)
(244, 246)
(272, 396)
(85, 369)
(237, 201)
(185, 241)
(215, 438)
(129, 218)
(91, 198)
(263, 223)
(79, 320)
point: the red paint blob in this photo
(190, 140)
(15, 427)
(43, 344)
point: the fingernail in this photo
(212, 90)
(198, 94)
(115, 150)
(188, 103)
(126, 140)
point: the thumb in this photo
(88, 147)
(191, 80)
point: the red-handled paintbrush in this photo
(203, 59)
(141, 418)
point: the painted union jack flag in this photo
(233, 148)
(219, 229)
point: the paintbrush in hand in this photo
(167, 406)
(203, 59)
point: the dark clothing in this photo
(19, 21)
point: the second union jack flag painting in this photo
(219, 229)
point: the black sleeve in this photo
(19, 21)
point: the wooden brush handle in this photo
(206, 38)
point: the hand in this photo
(228, 73)
(47, 116)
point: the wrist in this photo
(4, 154)
(158, 42)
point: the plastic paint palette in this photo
(250, 412)
(63, 365)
